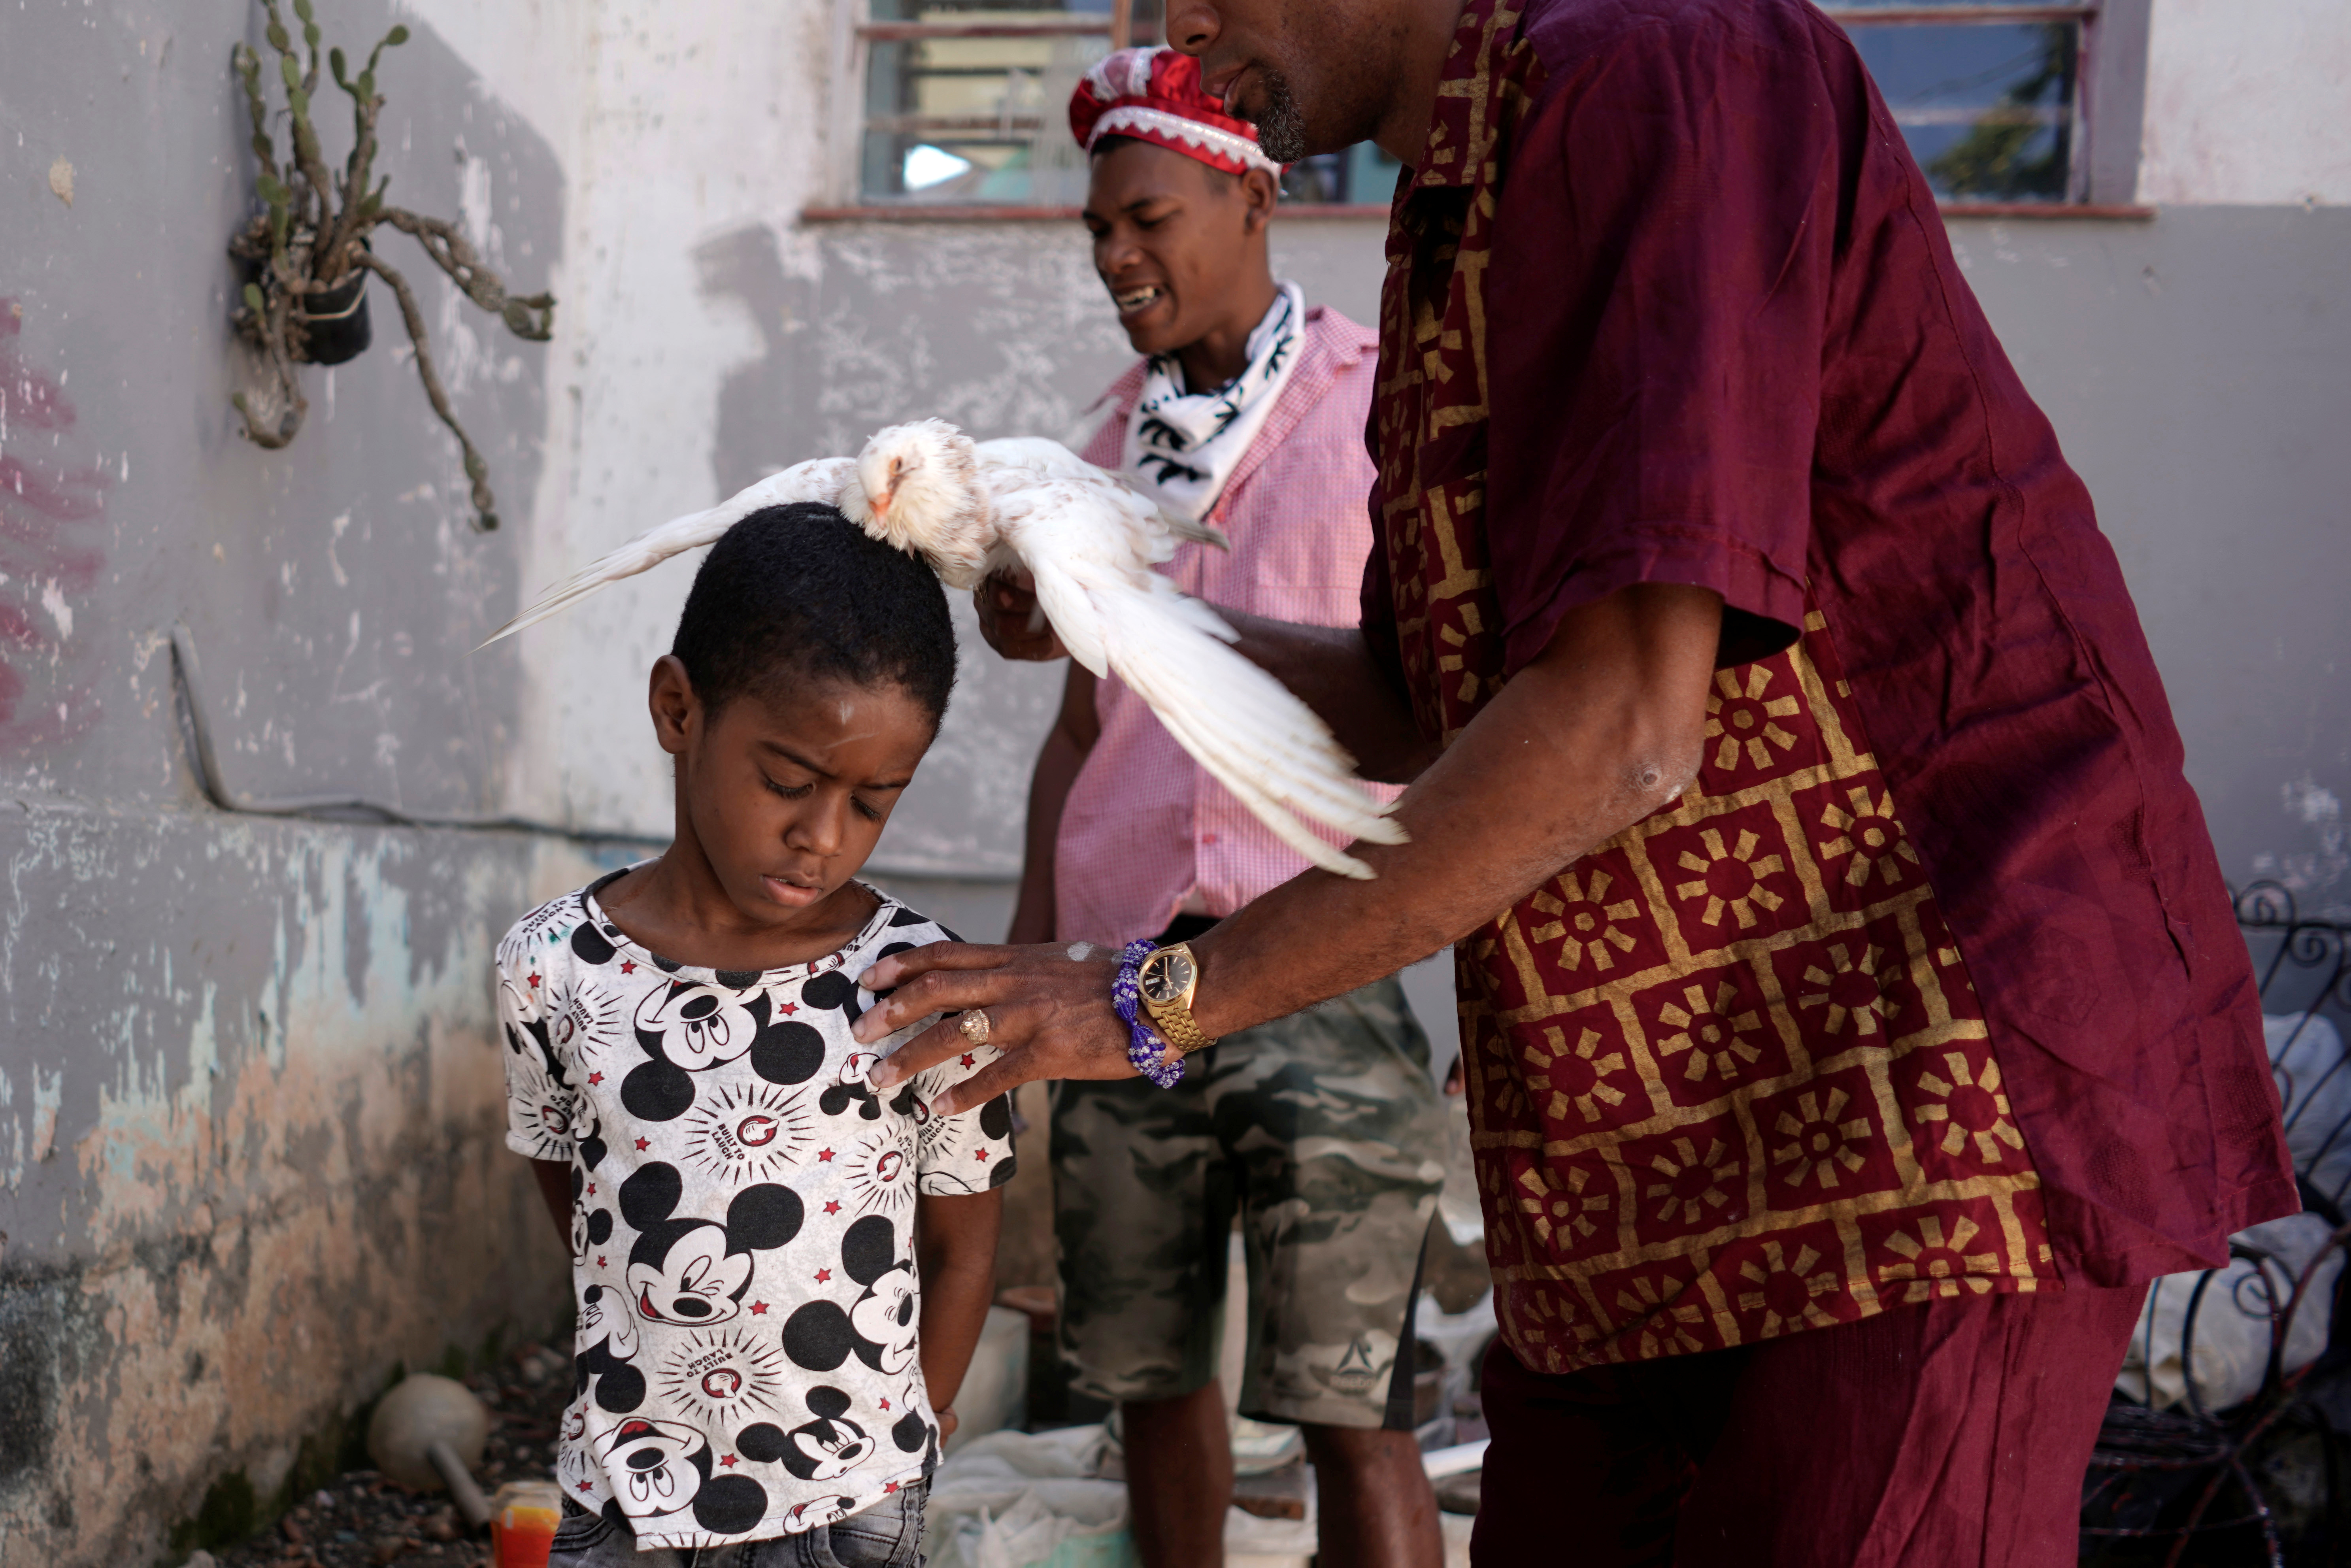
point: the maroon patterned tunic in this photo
(1930, 985)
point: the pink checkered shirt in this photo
(1145, 828)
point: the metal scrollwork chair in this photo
(2175, 1480)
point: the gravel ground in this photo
(363, 1521)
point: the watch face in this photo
(1166, 975)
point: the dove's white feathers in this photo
(1118, 617)
(1088, 540)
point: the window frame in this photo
(2110, 97)
(854, 30)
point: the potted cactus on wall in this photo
(307, 250)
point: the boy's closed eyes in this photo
(782, 794)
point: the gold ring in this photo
(975, 1025)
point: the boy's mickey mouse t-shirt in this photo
(742, 1222)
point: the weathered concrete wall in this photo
(248, 1079)
(252, 1157)
(2196, 367)
(679, 127)
(2246, 103)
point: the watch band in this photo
(1173, 1017)
(1175, 1022)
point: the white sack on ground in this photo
(1013, 1499)
(2232, 1319)
(2314, 1082)
(995, 1392)
(1457, 1336)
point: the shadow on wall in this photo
(1001, 329)
(745, 265)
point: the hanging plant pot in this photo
(304, 234)
(335, 320)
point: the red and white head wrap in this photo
(1153, 95)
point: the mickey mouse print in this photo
(743, 1248)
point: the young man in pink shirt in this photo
(1321, 1130)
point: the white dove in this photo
(1088, 541)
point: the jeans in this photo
(887, 1535)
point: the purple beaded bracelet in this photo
(1144, 1049)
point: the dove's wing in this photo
(1046, 459)
(1087, 552)
(1020, 460)
(819, 479)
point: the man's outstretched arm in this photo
(1599, 729)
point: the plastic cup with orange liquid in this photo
(523, 1517)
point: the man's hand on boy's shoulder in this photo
(1062, 1027)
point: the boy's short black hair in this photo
(802, 590)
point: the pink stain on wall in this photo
(49, 509)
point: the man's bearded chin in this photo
(1281, 128)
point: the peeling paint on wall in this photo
(250, 1128)
(249, 1084)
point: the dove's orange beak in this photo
(880, 505)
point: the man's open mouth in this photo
(1136, 300)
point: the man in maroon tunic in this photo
(1853, 1011)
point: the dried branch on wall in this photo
(310, 252)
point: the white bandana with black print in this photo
(1183, 446)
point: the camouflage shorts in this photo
(1324, 1133)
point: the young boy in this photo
(781, 1274)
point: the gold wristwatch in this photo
(1166, 980)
